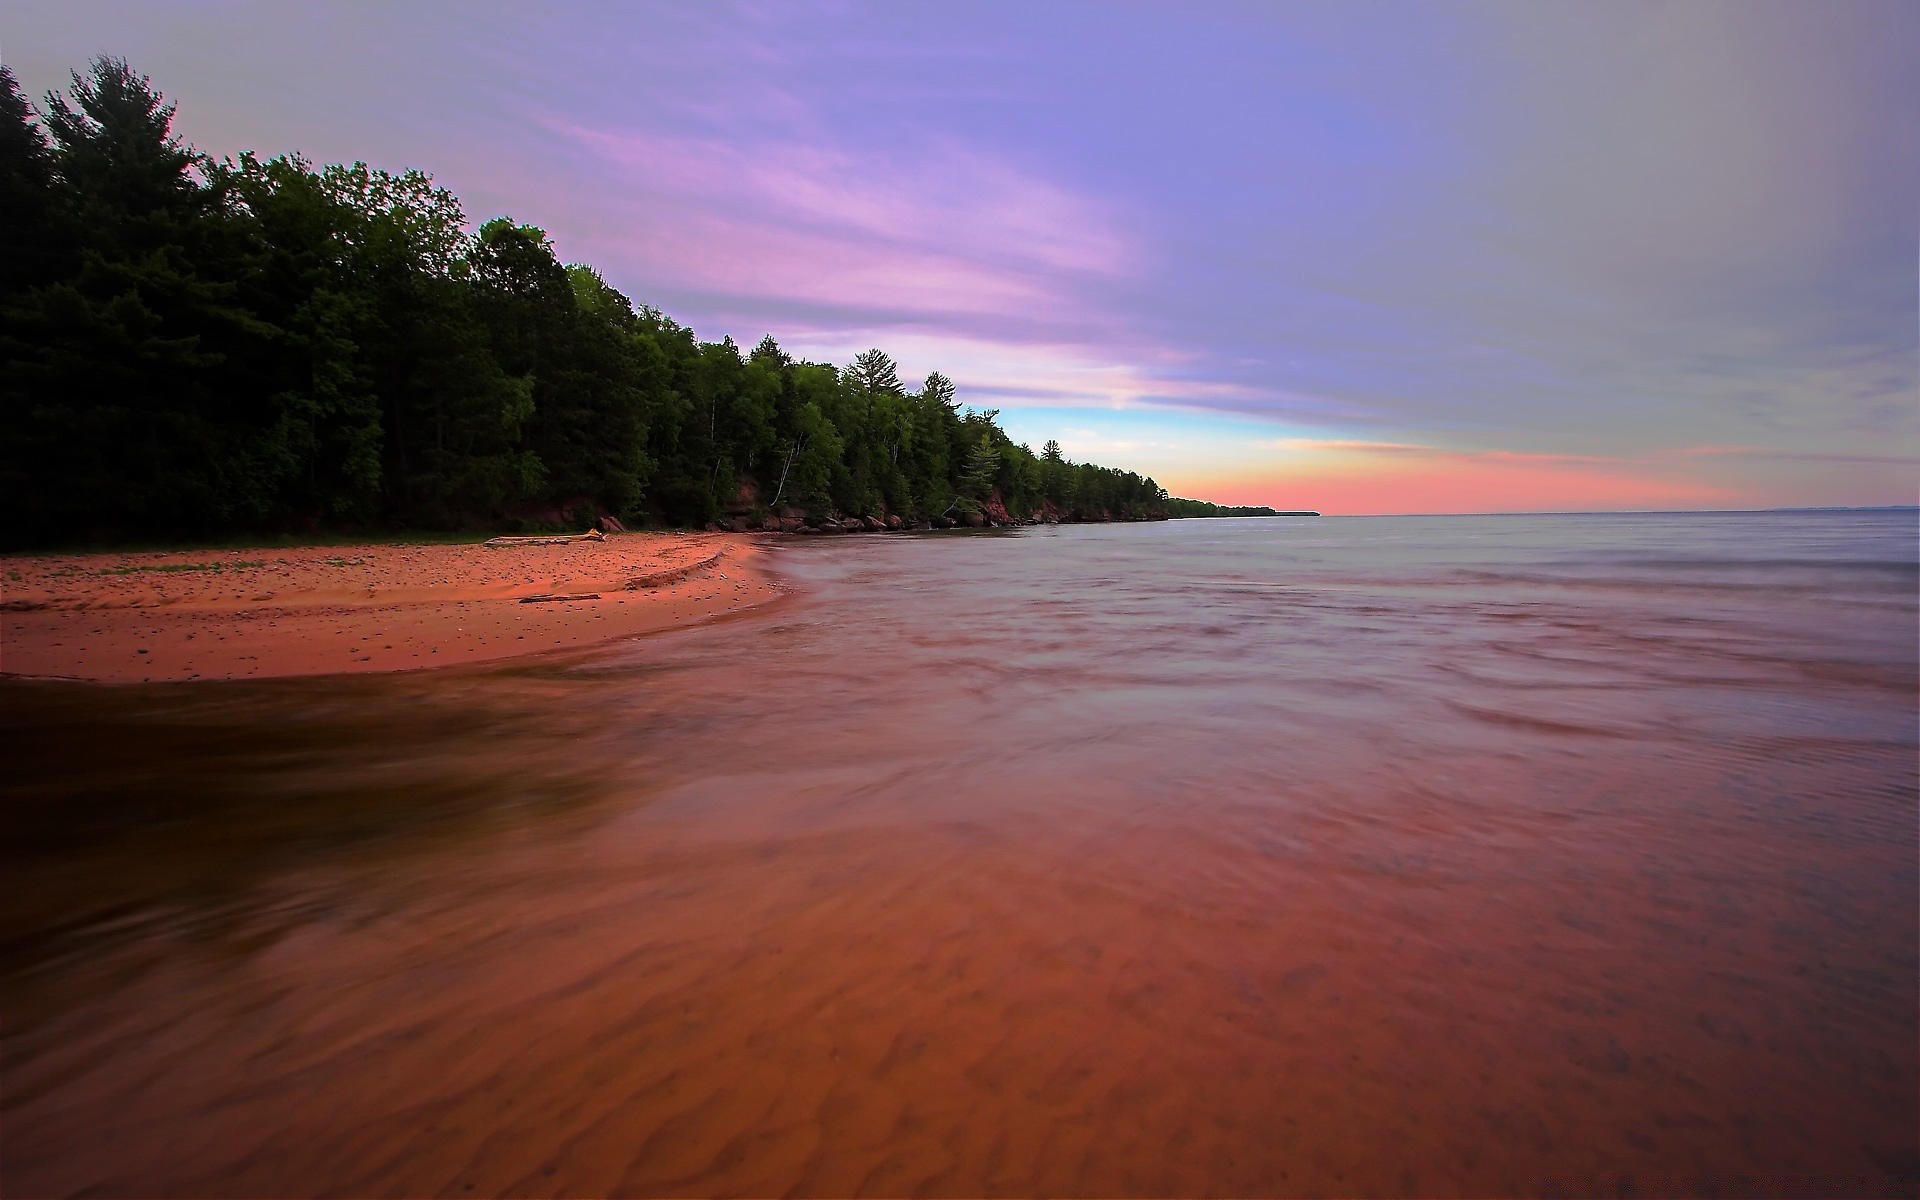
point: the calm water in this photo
(1429, 856)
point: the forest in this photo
(1174, 506)
(195, 347)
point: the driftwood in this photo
(672, 574)
(562, 539)
(551, 597)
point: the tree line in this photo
(1176, 507)
(193, 347)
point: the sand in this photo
(238, 614)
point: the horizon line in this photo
(1613, 512)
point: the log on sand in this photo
(592, 535)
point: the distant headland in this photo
(1177, 508)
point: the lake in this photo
(1426, 855)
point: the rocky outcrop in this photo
(993, 513)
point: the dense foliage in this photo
(1176, 507)
(193, 347)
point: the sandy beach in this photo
(233, 614)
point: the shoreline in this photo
(200, 615)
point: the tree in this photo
(300, 282)
(872, 371)
(977, 479)
(597, 446)
(768, 353)
(938, 389)
(821, 459)
(402, 243)
(401, 224)
(29, 253)
(34, 250)
(125, 173)
(143, 375)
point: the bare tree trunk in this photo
(782, 489)
(713, 440)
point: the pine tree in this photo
(29, 253)
(873, 371)
(977, 478)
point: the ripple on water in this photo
(1489, 856)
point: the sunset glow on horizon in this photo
(1356, 258)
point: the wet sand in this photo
(237, 614)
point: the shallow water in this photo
(1427, 856)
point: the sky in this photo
(1352, 257)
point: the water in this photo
(1427, 856)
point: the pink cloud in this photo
(947, 230)
(724, 255)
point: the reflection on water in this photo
(1354, 856)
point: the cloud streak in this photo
(948, 231)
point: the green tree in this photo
(31, 247)
(977, 478)
(300, 282)
(873, 372)
(403, 244)
(769, 354)
(126, 176)
(139, 373)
